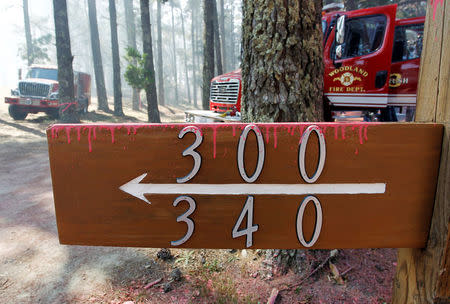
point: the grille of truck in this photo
(34, 89)
(225, 92)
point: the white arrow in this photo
(138, 190)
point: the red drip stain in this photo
(361, 135)
(336, 129)
(434, 4)
(128, 130)
(111, 129)
(302, 129)
(234, 130)
(68, 134)
(94, 129)
(275, 139)
(267, 134)
(89, 140)
(214, 141)
(78, 133)
(365, 132)
(343, 132)
(356, 151)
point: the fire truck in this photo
(371, 65)
(38, 92)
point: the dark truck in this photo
(38, 92)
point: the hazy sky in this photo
(12, 34)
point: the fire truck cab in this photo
(371, 64)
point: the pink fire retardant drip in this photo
(90, 131)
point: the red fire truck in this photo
(371, 65)
(38, 92)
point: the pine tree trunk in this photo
(150, 87)
(160, 59)
(282, 77)
(232, 41)
(185, 58)
(217, 47)
(175, 72)
(194, 61)
(29, 41)
(131, 41)
(67, 106)
(282, 66)
(223, 36)
(208, 50)
(97, 58)
(116, 59)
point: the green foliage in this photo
(136, 75)
(40, 48)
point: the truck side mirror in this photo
(340, 30)
(339, 36)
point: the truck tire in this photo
(83, 104)
(17, 113)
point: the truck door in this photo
(359, 75)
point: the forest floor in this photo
(35, 268)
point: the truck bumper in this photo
(33, 104)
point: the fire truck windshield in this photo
(43, 73)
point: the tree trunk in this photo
(131, 40)
(282, 76)
(185, 58)
(175, 77)
(232, 41)
(160, 59)
(67, 105)
(217, 47)
(97, 58)
(208, 50)
(150, 86)
(116, 60)
(194, 62)
(26, 19)
(222, 36)
(282, 68)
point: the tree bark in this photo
(217, 46)
(67, 105)
(150, 87)
(175, 72)
(208, 50)
(282, 68)
(282, 76)
(97, 58)
(232, 41)
(116, 59)
(185, 58)
(131, 41)
(194, 61)
(223, 36)
(29, 41)
(160, 59)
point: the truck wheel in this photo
(17, 113)
(83, 105)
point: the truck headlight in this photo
(54, 95)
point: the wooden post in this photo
(423, 274)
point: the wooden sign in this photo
(294, 185)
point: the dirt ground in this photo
(35, 268)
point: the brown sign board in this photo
(293, 185)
